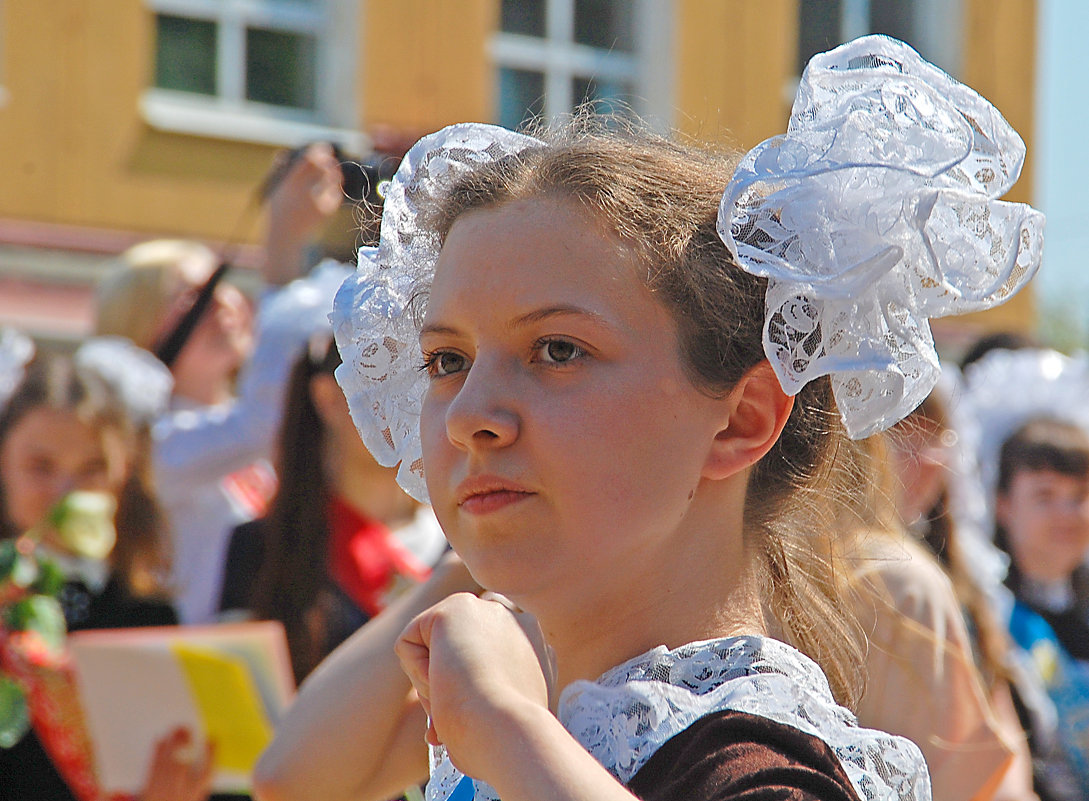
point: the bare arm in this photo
(356, 730)
(485, 684)
(308, 194)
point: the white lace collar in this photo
(1051, 595)
(632, 710)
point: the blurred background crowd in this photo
(188, 183)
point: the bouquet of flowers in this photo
(36, 679)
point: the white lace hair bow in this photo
(877, 210)
(142, 383)
(374, 327)
(16, 351)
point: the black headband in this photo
(171, 343)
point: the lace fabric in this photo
(625, 716)
(373, 321)
(16, 350)
(877, 210)
(141, 382)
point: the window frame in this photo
(229, 114)
(560, 59)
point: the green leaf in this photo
(8, 554)
(42, 614)
(50, 578)
(14, 717)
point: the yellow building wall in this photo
(1000, 63)
(734, 64)
(426, 64)
(78, 153)
(81, 154)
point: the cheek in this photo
(26, 496)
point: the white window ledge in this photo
(178, 112)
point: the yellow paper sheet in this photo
(229, 704)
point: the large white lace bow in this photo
(142, 383)
(16, 350)
(631, 711)
(373, 320)
(877, 210)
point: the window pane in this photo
(818, 28)
(894, 18)
(521, 96)
(280, 68)
(605, 23)
(607, 96)
(185, 54)
(526, 17)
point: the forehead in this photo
(532, 251)
(1033, 478)
(47, 431)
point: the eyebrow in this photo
(535, 316)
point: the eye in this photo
(557, 351)
(441, 363)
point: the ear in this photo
(757, 410)
(327, 397)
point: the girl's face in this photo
(51, 452)
(223, 337)
(563, 441)
(1046, 517)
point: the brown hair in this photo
(660, 198)
(941, 537)
(294, 570)
(140, 557)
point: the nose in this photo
(481, 414)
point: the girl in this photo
(1034, 451)
(341, 538)
(211, 448)
(609, 444)
(63, 429)
(922, 676)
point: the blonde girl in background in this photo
(212, 448)
(628, 413)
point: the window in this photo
(930, 26)
(262, 70)
(551, 55)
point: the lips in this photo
(484, 494)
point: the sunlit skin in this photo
(220, 343)
(1046, 517)
(572, 463)
(51, 452)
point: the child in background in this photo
(65, 428)
(1033, 447)
(626, 417)
(211, 449)
(341, 539)
(927, 628)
